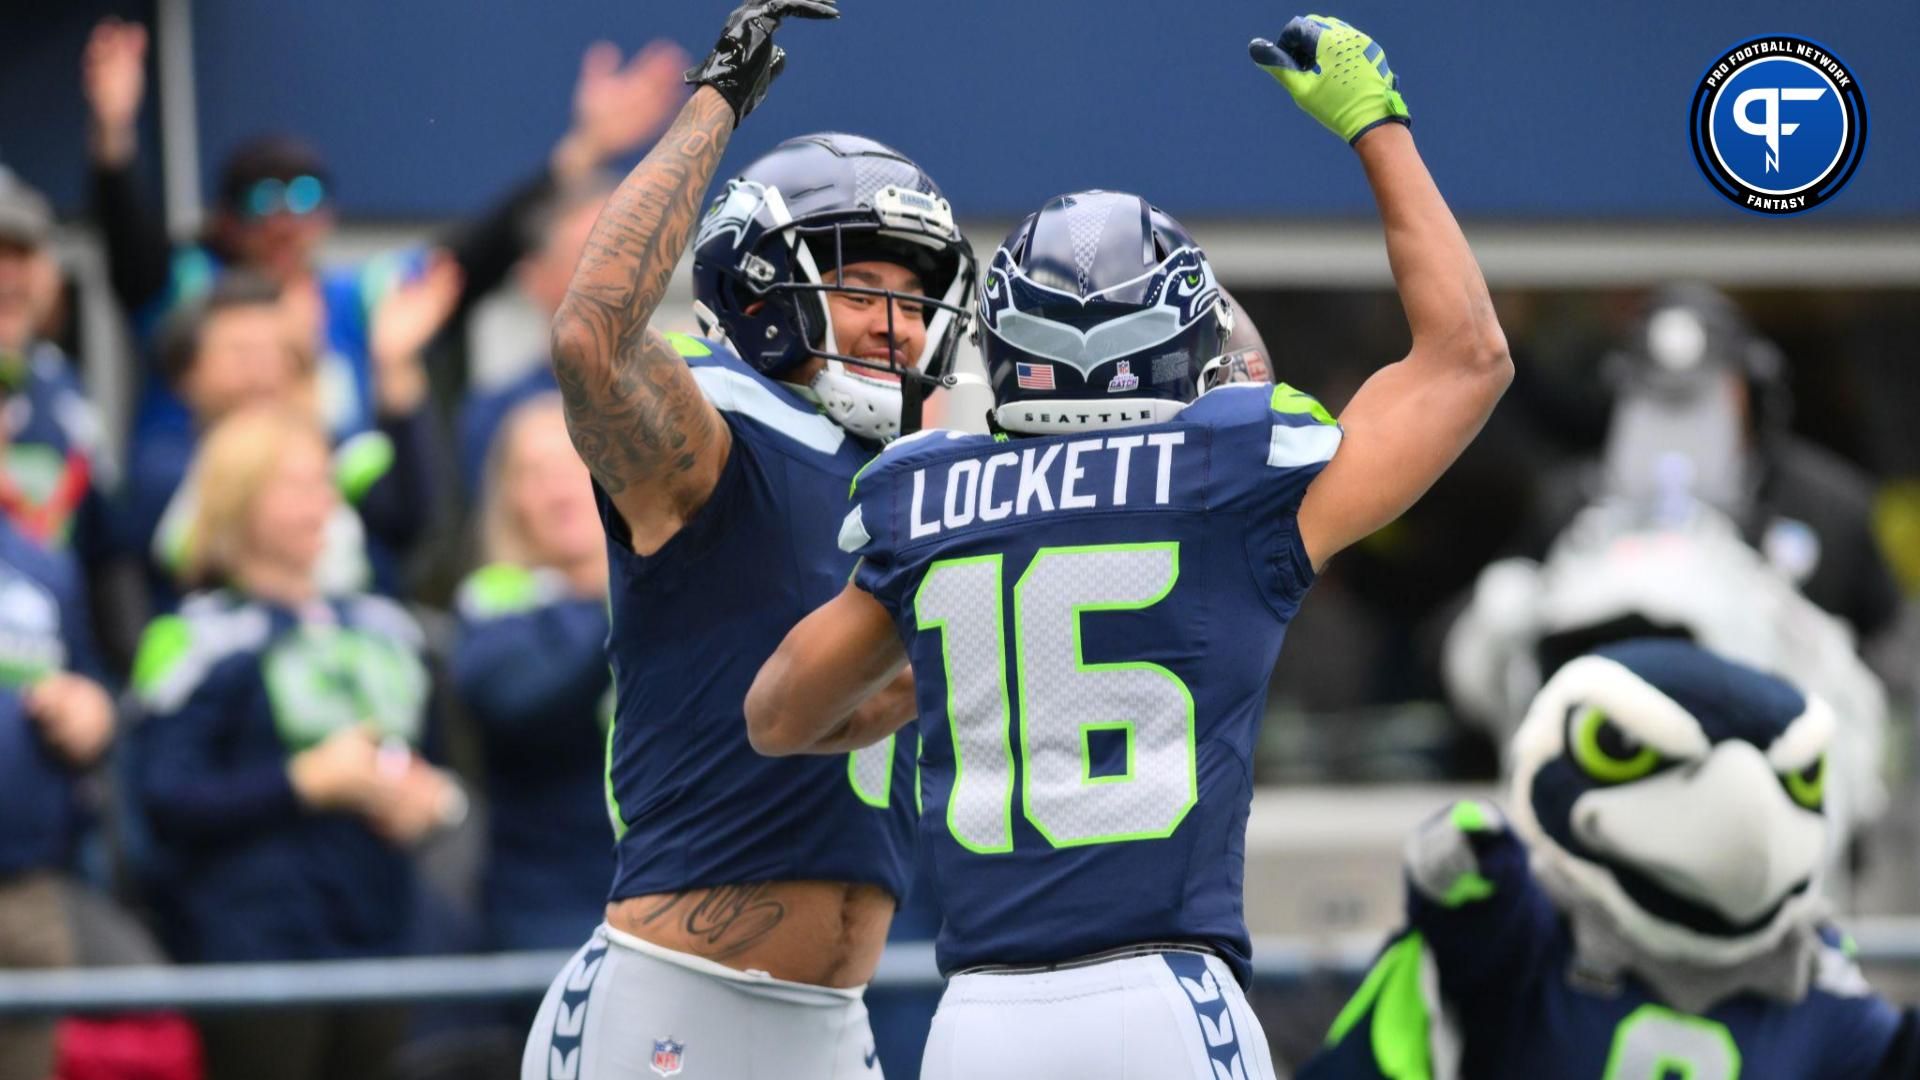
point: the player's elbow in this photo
(771, 729)
(571, 338)
(1479, 352)
(1491, 361)
(1480, 346)
(770, 739)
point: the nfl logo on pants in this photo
(667, 1056)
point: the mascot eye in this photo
(1808, 786)
(1605, 752)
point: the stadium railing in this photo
(1887, 943)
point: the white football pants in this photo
(624, 1009)
(1168, 1016)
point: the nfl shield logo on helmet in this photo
(1123, 378)
(667, 1056)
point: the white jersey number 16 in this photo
(1063, 700)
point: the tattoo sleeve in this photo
(633, 408)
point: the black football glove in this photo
(745, 61)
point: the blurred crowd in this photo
(232, 726)
(246, 716)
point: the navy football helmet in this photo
(1099, 311)
(810, 207)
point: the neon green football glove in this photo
(1336, 73)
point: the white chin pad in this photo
(1723, 834)
(869, 408)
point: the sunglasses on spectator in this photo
(299, 196)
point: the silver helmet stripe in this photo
(1114, 338)
(1087, 350)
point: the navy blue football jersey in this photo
(1092, 620)
(1484, 983)
(692, 804)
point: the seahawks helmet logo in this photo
(995, 295)
(732, 212)
(1190, 283)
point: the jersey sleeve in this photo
(1269, 444)
(731, 492)
(867, 532)
(871, 529)
(731, 489)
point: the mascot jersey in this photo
(1496, 951)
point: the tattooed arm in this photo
(651, 440)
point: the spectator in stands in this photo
(50, 486)
(56, 721)
(542, 593)
(233, 348)
(279, 760)
(557, 234)
(275, 210)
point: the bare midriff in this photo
(824, 933)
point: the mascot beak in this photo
(1721, 832)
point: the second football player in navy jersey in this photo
(1092, 606)
(1124, 594)
(751, 897)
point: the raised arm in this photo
(114, 79)
(838, 682)
(652, 442)
(1411, 419)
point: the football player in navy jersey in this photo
(751, 897)
(1652, 911)
(1093, 598)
